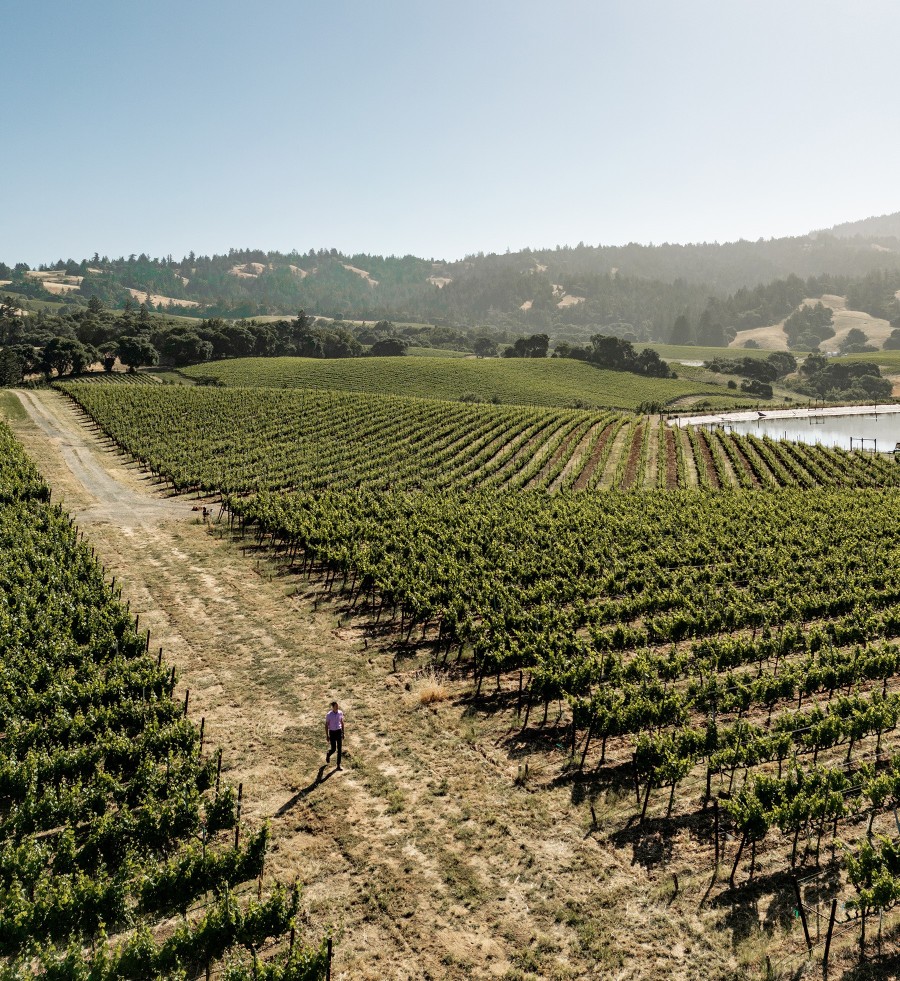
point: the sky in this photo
(438, 129)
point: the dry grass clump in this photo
(430, 689)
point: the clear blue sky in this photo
(440, 129)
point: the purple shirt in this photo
(334, 720)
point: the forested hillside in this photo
(642, 287)
(885, 227)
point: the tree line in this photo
(699, 294)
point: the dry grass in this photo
(570, 301)
(361, 273)
(430, 689)
(158, 300)
(773, 338)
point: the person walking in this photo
(334, 732)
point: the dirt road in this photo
(423, 854)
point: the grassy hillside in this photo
(552, 382)
(568, 292)
(888, 361)
(435, 352)
(694, 352)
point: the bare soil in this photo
(634, 457)
(596, 454)
(671, 459)
(577, 459)
(435, 853)
(706, 462)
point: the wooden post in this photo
(802, 912)
(218, 773)
(187, 696)
(147, 648)
(716, 827)
(202, 727)
(159, 659)
(293, 937)
(828, 934)
(237, 816)
(328, 961)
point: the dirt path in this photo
(427, 856)
(99, 488)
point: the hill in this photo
(700, 293)
(883, 226)
(568, 291)
(548, 381)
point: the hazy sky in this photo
(440, 129)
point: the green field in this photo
(888, 361)
(550, 381)
(33, 305)
(690, 352)
(436, 352)
(119, 378)
(10, 406)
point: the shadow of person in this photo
(320, 778)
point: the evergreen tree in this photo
(682, 333)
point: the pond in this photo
(845, 427)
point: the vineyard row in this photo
(232, 440)
(113, 820)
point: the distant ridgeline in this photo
(693, 293)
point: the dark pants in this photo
(336, 738)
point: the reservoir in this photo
(846, 427)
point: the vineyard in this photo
(224, 440)
(118, 378)
(725, 666)
(550, 382)
(122, 849)
(711, 661)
